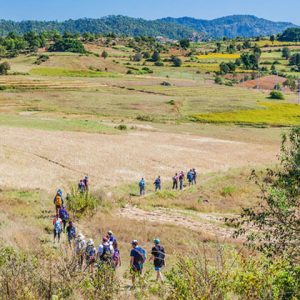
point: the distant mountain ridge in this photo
(233, 26)
(173, 28)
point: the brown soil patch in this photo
(265, 83)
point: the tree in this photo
(290, 35)
(226, 68)
(219, 46)
(295, 59)
(155, 56)
(67, 45)
(4, 67)
(273, 226)
(276, 95)
(272, 38)
(185, 43)
(286, 52)
(137, 57)
(177, 62)
(104, 54)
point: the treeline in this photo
(13, 44)
(119, 25)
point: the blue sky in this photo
(277, 10)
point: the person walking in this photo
(64, 215)
(71, 232)
(86, 183)
(90, 255)
(137, 260)
(175, 182)
(105, 252)
(58, 201)
(116, 258)
(158, 258)
(142, 185)
(190, 177)
(194, 176)
(57, 223)
(157, 184)
(80, 249)
(111, 237)
(181, 180)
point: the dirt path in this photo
(32, 158)
(210, 224)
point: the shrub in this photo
(82, 203)
(42, 58)
(277, 95)
(4, 67)
(67, 45)
(121, 127)
(159, 64)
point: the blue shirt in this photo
(136, 257)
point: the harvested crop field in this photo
(265, 83)
(48, 159)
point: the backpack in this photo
(58, 200)
(90, 251)
(142, 183)
(159, 253)
(116, 255)
(64, 214)
(72, 232)
(106, 254)
(141, 256)
(57, 226)
(80, 246)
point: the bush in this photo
(67, 45)
(82, 203)
(42, 58)
(4, 67)
(121, 127)
(277, 95)
(159, 64)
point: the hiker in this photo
(81, 186)
(58, 201)
(86, 183)
(158, 258)
(90, 255)
(157, 184)
(80, 249)
(116, 258)
(190, 177)
(181, 180)
(105, 251)
(194, 176)
(57, 223)
(175, 182)
(71, 231)
(111, 237)
(137, 260)
(64, 215)
(142, 185)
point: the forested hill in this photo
(119, 25)
(232, 26)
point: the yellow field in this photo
(279, 114)
(219, 56)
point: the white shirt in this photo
(101, 247)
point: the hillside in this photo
(232, 26)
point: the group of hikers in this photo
(107, 253)
(177, 181)
(83, 185)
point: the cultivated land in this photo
(82, 114)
